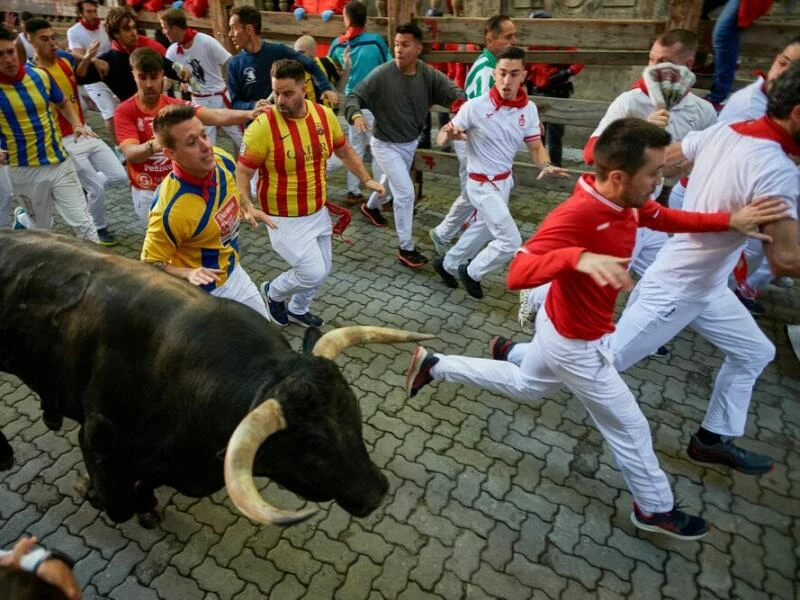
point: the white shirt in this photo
(493, 134)
(205, 58)
(30, 53)
(731, 170)
(80, 37)
(745, 105)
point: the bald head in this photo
(307, 45)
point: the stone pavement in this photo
(489, 498)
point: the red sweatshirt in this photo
(587, 222)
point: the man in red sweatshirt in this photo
(582, 247)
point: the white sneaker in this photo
(527, 310)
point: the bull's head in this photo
(336, 452)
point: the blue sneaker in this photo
(18, 212)
(675, 523)
(306, 320)
(275, 310)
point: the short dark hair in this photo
(248, 16)
(115, 18)
(79, 5)
(288, 68)
(23, 585)
(410, 29)
(7, 35)
(37, 24)
(169, 116)
(687, 40)
(622, 146)
(174, 18)
(511, 53)
(147, 61)
(784, 92)
(357, 13)
(494, 24)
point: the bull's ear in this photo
(310, 339)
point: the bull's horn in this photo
(256, 427)
(333, 342)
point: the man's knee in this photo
(313, 275)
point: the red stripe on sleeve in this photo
(300, 173)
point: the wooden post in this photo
(400, 11)
(218, 15)
(684, 14)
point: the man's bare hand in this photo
(204, 275)
(373, 185)
(659, 117)
(331, 97)
(764, 210)
(261, 103)
(552, 171)
(83, 130)
(58, 573)
(361, 125)
(253, 215)
(606, 270)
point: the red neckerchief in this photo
(94, 27)
(521, 101)
(187, 39)
(767, 129)
(203, 184)
(350, 34)
(15, 79)
(640, 85)
(764, 77)
(115, 45)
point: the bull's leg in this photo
(6, 454)
(148, 512)
(114, 487)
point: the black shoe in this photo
(275, 310)
(107, 238)
(674, 523)
(500, 346)
(661, 353)
(306, 320)
(447, 278)
(419, 371)
(411, 258)
(354, 199)
(473, 287)
(373, 215)
(725, 452)
(753, 307)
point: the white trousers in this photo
(585, 368)
(234, 131)
(359, 142)
(103, 98)
(97, 167)
(240, 287)
(395, 161)
(6, 194)
(304, 243)
(657, 314)
(461, 211)
(676, 196)
(648, 243)
(494, 225)
(142, 202)
(39, 189)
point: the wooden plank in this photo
(218, 15)
(684, 14)
(446, 163)
(563, 111)
(634, 34)
(285, 25)
(587, 57)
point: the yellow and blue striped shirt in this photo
(28, 127)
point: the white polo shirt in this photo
(205, 58)
(731, 170)
(493, 134)
(80, 37)
(746, 104)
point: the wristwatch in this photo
(150, 147)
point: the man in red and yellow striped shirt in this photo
(289, 145)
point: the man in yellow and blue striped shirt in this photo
(40, 174)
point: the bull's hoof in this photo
(6, 454)
(151, 519)
(84, 488)
(53, 420)
(6, 462)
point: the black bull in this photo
(159, 374)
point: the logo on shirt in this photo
(197, 70)
(522, 120)
(249, 75)
(227, 219)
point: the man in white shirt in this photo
(734, 165)
(206, 58)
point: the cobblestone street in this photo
(489, 497)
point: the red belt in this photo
(480, 177)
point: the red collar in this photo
(187, 39)
(767, 129)
(16, 79)
(521, 101)
(639, 84)
(94, 27)
(350, 34)
(203, 184)
(115, 45)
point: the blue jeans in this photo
(725, 39)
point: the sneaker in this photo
(18, 212)
(275, 310)
(411, 258)
(725, 452)
(500, 346)
(439, 244)
(106, 237)
(473, 287)
(374, 215)
(753, 307)
(306, 320)
(783, 282)
(661, 353)
(447, 278)
(354, 198)
(419, 371)
(527, 310)
(674, 523)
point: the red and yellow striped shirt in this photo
(291, 155)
